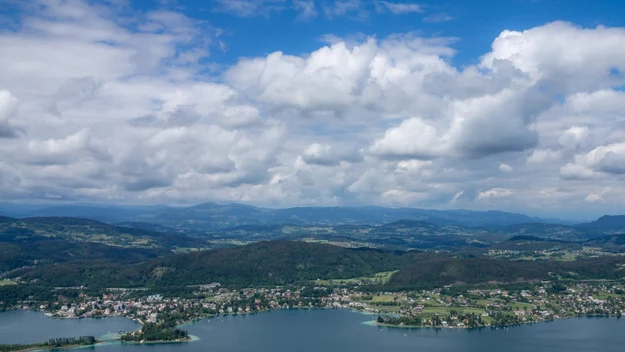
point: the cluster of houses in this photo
(534, 304)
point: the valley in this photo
(406, 272)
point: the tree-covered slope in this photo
(262, 263)
(277, 262)
(85, 230)
(287, 262)
(435, 270)
(43, 252)
(43, 241)
(613, 223)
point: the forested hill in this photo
(432, 270)
(85, 230)
(262, 263)
(607, 223)
(278, 262)
(43, 241)
(287, 262)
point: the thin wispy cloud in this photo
(398, 8)
(354, 9)
(438, 18)
(249, 8)
(305, 9)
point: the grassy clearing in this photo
(377, 278)
(521, 305)
(605, 295)
(386, 309)
(448, 310)
(488, 320)
(387, 298)
(6, 282)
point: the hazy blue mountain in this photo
(211, 216)
(104, 213)
(549, 231)
(206, 216)
(612, 223)
(17, 210)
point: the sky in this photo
(514, 105)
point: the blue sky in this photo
(473, 23)
(513, 105)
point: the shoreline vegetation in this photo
(46, 347)
(43, 347)
(163, 332)
(149, 333)
(163, 317)
(52, 344)
(400, 325)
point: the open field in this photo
(521, 305)
(6, 282)
(387, 298)
(448, 310)
(386, 309)
(377, 278)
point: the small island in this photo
(155, 333)
(150, 332)
(55, 343)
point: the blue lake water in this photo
(332, 330)
(29, 327)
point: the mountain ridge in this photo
(607, 222)
(212, 215)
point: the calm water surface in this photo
(334, 330)
(29, 327)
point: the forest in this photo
(274, 263)
(156, 332)
(51, 344)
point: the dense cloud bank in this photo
(107, 104)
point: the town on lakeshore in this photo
(164, 315)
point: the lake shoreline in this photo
(303, 326)
(113, 338)
(492, 327)
(191, 338)
(374, 322)
(70, 347)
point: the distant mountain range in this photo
(210, 216)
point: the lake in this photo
(29, 327)
(330, 330)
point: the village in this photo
(449, 306)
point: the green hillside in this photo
(432, 270)
(262, 263)
(84, 230)
(287, 262)
(43, 241)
